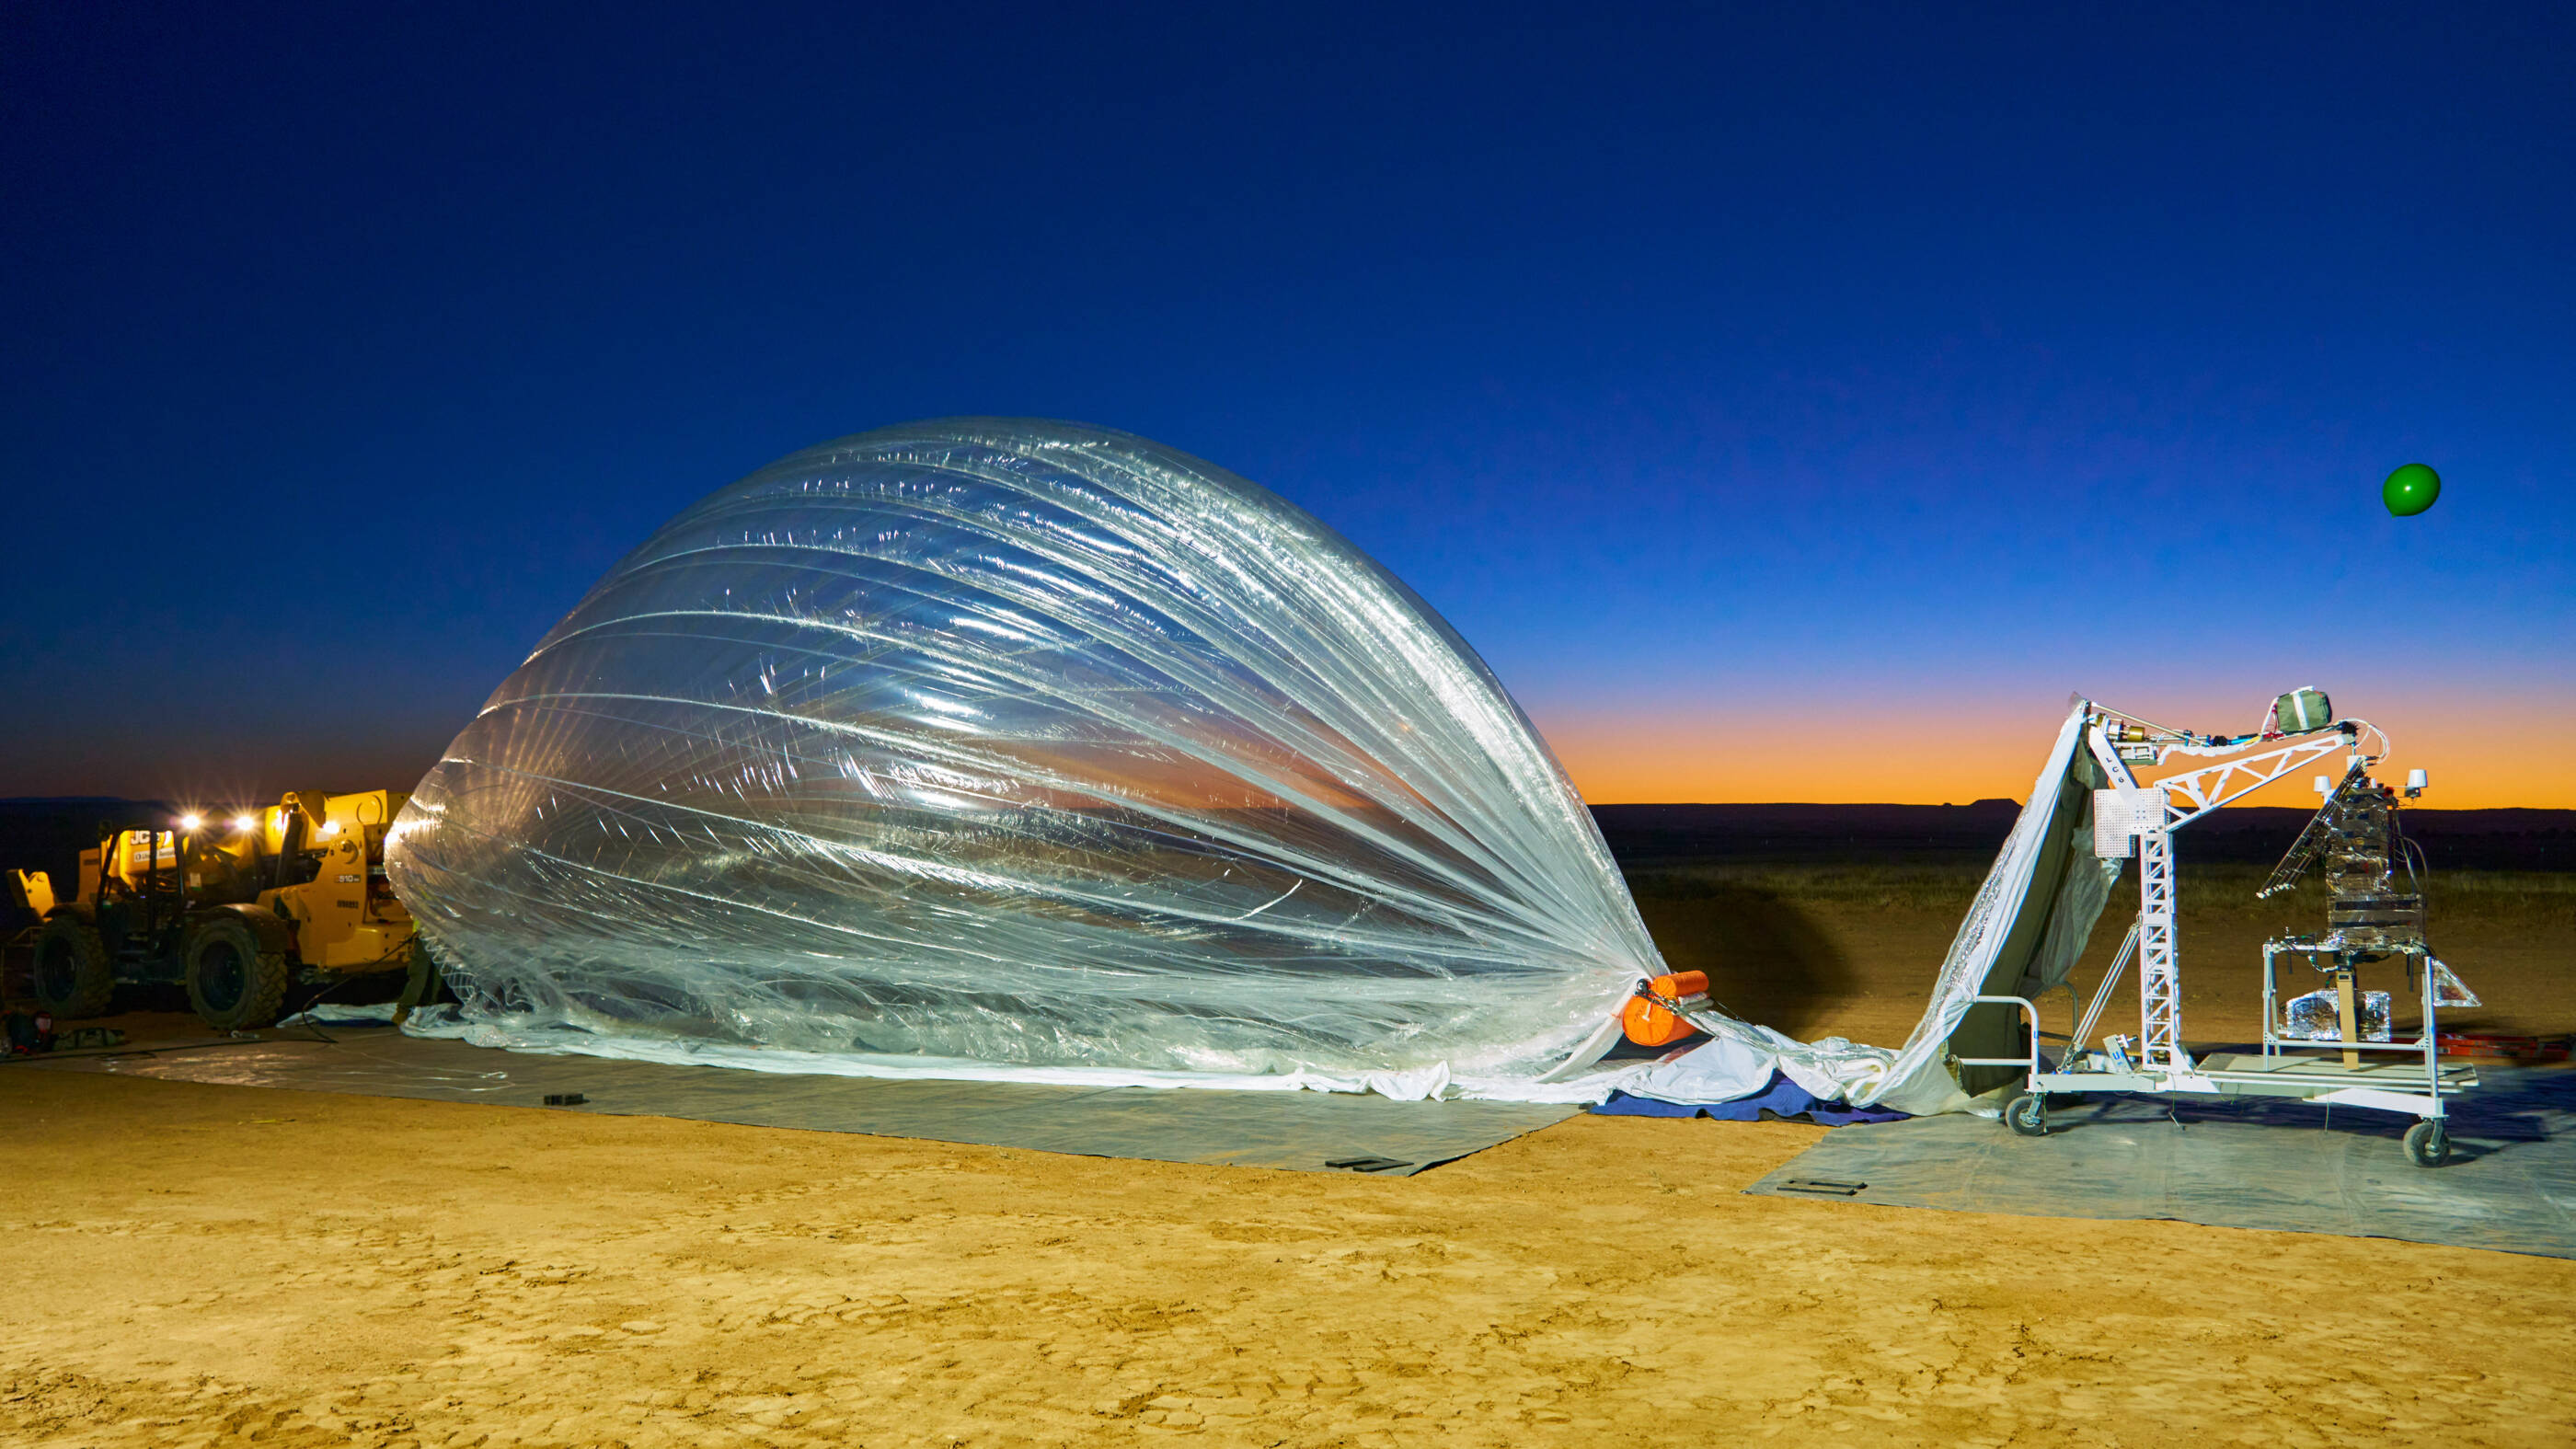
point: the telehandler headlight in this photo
(245, 822)
(191, 822)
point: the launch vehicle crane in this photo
(2368, 922)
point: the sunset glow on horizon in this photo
(1932, 760)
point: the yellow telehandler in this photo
(243, 908)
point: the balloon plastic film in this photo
(1027, 744)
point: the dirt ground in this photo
(198, 1265)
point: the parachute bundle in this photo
(1028, 744)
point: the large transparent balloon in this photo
(1023, 743)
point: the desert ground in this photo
(201, 1265)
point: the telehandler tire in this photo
(232, 983)
(74, 978)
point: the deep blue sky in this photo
(1722, 375)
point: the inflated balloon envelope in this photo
(999, 747)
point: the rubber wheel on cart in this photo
(74, 978)
(2428, 1144)
(233, 984)
(2027, 1114)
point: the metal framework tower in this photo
(2159, 972)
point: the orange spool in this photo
(1650, 1025)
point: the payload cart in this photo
(2341, 1048)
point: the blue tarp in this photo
(1782, 1098)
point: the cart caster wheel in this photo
(2027, 1115)
(2428, 1144)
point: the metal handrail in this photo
(2029, 1062)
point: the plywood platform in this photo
(2389, 1070)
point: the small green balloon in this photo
(2410, 490)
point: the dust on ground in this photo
(197, 1265)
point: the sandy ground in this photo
(205, 1265)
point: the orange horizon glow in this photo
(1950, 758)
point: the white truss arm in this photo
(2191, 796)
